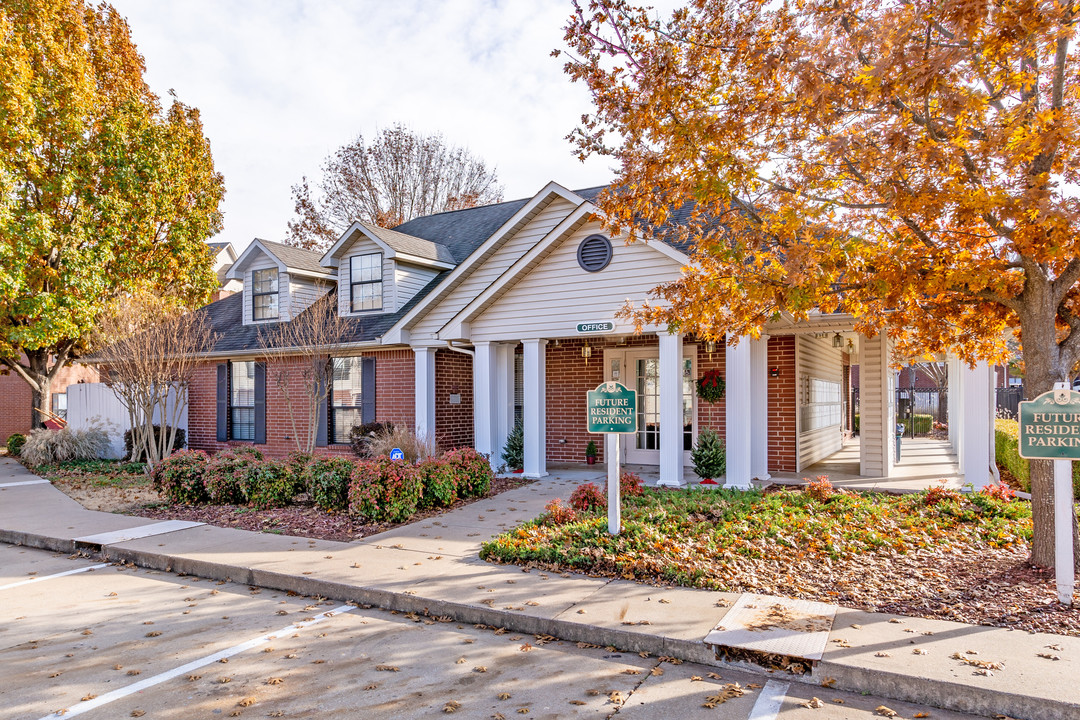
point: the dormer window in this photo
(365, 282)
(264, 294)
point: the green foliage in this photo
(710, 538)
(855, 424)
(267, 484)
(590, 449)
(513, 453)
(440, 484)
(328, 481)
(709, 455)
(472, 471)
(226, 474)
(1007, 454)
(45, 447)
(179, 442)
(360, 436)
(923, 424)
(15, 442)
(180, 477)
(711, 386)
(385, 490)
(587, 497)
(296, 470)
(102, 191)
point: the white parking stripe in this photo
(138, 532)
(50, 577)
(769, 701)
(193, 665)
(39, 481)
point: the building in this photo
(463, 323)
(15, 395)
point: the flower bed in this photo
(899, 553)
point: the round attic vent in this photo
(594, 253)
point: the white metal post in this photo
(1063, 515)
(614, 503)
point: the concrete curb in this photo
(937, 693)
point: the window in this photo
(346, 398)
(365, 282)
(59, 405)
(264, 294)
(242, 400)
(821, 403)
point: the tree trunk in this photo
(1043, 366)
(37, 362)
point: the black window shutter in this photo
(322, 421)
(223, 402)
(367, 385)
(260, 403)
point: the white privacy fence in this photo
(95, 402)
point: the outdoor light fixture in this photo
(837, 341)
(556, 342)
(710, 346)
(586, 351)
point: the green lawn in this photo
(731, 540)
(98, 473)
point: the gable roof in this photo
(288, 258)
(395, 244)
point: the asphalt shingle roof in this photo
(411, 245)
(295, 258)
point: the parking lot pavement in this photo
(78, 637)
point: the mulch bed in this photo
(304, 519)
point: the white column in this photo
(504, 396)
(671, 409)
(977, 450)
(953, 401)
(877, 436)
(535, 408)
(484, 411)
(759, 408)
(425, 391)
(737, 414)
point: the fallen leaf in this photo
(813, 703)
(274, 681)
(388, 668)
(451, 706)
(503, 696)
(480, 669)
(246, 702)
(138, 713)
(884, 711)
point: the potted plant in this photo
(709, 457)
(590, 453)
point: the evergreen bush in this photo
(15, 442)
(328, 481)
(266, 485)
(440, 484)
(180, 477)
(709, 456)
(226, 474)
(513, 453)
(385, 490)
(472, 471)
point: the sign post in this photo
(612, 410)
(1050, 430)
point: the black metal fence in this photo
(1008, 400)
(920, 410)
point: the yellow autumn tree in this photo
(913, 163)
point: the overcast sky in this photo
(281, 84)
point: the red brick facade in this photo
(783, 405)
(15, 397)
(453, 381)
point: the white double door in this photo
(639, 370)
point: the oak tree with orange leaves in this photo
(913, 163)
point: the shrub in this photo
(631, 485)
(296, 468)
(820, 488)
(415, 447)
(472, 471)
(328, 482)
(590, 449)
(15, 442)
(385, 490)
(587, 497)
(558, 514)
(179, 442)
(709, 456)
(1007, 454)
(999, 491)
(45, 447)
(226, 474)
(180, 477)
(267, 484)
(361, 435)
(440, 484)
(940, 493)
(513, 453)
(923, 424)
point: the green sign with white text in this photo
(1050, 426)
(595, 327)
(612, 408)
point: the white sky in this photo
(283, 83)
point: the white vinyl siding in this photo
(556, 294)
(409, 280)
(364, 246)
(876, 436)
(491, 268)
(303, 293)
(264, 262)
(820, 375)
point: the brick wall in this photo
(783, 452)
(15, 414)
(453, 421)
(393, 401)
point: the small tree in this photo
(709, 456)
(513, 453)
(398, 176)
(297, 355)
(150, 351)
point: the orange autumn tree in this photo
(913, 163)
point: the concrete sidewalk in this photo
(432, 567)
